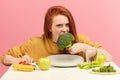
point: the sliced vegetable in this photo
(90, 65)
(21, 67)
(108, 68)
(24, 63)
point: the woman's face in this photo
(60, 26)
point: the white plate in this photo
(105, 73)
(65, 60)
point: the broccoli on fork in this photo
(65, 41)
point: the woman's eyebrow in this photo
(59, 24)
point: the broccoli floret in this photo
(65, 41)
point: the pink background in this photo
(22, 19)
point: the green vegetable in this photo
(108, 68)
(65, 41)
(90, 65)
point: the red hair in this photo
(54, 11)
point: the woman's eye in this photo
(59, 25)
(67, 25)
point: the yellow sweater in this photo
(38, 47)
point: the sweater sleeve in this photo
(18, 51)
(84, 39)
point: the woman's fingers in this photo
(76, 48)
(27, 58)
(72, 50)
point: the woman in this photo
(58, 20)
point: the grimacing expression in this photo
(59, 26)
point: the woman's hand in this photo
(76, 48)
(8, 60)
(27, 58)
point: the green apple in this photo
(100, 58)
(44, 63)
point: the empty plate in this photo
(65, 60)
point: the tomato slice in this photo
(20, 62)
(24, 63)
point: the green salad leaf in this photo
(108, 68)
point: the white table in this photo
(73, 73)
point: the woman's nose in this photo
(65, 29)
